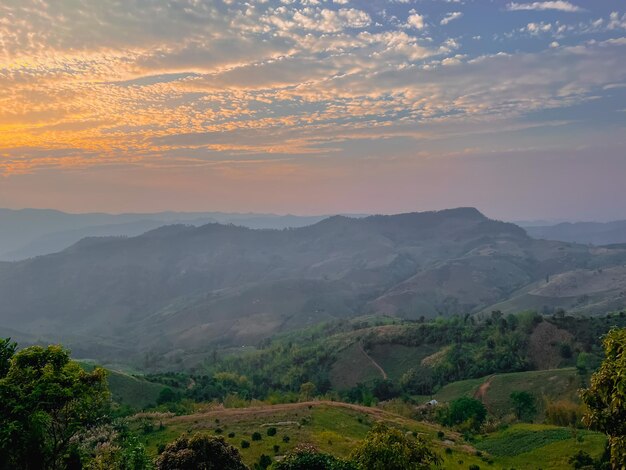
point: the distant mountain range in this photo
(182, 287)
(595, 233)
(27, 233)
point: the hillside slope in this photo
(185, 287)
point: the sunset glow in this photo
(313, 106)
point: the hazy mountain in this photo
(33, 232)
(596, 233)
(192, 288)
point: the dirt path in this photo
(376, 364)
(481, 393)
(258, 411)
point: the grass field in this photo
(330, 426)
(396, 359)
(533, 446)
(128, 389)
(495, 390)
(337, 427)
(351, 367)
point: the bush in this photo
(245, 444)
(286, 438)
(523, 405)
(564, 413)
(256, 436)
(210, 453)
(306, 457)
(271, 431)
(264, 462)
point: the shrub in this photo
(390, 449)
(306, 457)
(245, 444)
(210, 453)
(564, 413)
(271, 431)
(256, 436)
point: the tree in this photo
(465, 410)
(7, 350)
(45, 400)
(606, 396)
(387, 448)
(306, 457)
(523, 405)
(200, 452)
(307, 391)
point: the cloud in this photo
(559, 5)
(451, 17)
(416, 21)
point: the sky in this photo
(315, 106)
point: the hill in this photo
(336, 428)
(27, 233)
(595, 233)
(194, 289)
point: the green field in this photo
(550, 385)
(130, 390)
(330, 426)
(396, 359)
(336, 428)
(532, 446)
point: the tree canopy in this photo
(387, 448)
(606, 396)
(45, 400)
(200, 452)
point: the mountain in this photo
(27, 233)
(594, 233)
(189, 288)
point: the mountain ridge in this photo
(193, 288)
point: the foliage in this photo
(564, 413)
(387, 448)
(306, 457)
(200, 452)
(111, 446)
(464, 410)
(606, 396)
(45, 400)
(7, 350)
(523, 404)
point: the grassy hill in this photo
(131, 390)
(495, 390)
(336, 427)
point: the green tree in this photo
(606, 397)
(465, 410)
(307, 391)
(45, 400)
(7, 350)
(306, 457)
(200, 452)
(387, 448)
(523, 405)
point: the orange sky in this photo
(313, 106)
